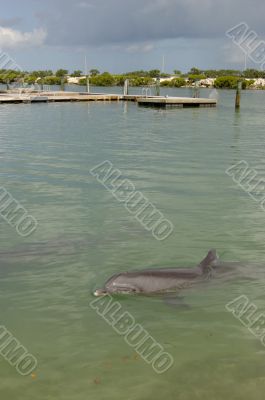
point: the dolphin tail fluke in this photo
(209, 260)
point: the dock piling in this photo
(62, 84)
(126, 87)
(196, 92)
(87, 84)
(157, 86)
(238, 95)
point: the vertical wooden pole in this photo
(126, 87)
(62, 84)
(87, 84)
(238, 96)
(157, 86)
(196, 92)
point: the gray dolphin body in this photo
(159, 281)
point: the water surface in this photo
(177, 159)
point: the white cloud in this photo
(11, 38)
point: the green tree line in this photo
(224, 78)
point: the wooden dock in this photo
(47, 97)
(57, 96)
(176, 102)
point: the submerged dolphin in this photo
(159, 281)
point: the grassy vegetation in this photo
(107, 79)
(231, 82)
(224, 78)
(177, 82)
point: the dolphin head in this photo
(117, 284)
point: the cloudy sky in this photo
(125, 35)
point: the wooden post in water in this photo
(196, 92)
(126, 87)
(238, 95)
(62, 84)
(87, 84)
(157, 86)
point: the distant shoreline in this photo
(226, 79)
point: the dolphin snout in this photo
(100, 292)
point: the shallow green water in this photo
(177, 159)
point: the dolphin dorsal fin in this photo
(208, 261)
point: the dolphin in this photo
(159, 281)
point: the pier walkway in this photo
(57, 96)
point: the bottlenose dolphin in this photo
(159, 281)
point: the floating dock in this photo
(176, 102)
(47, 97)
(57, 96)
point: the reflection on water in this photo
(177, 159)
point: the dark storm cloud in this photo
(100, 22)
